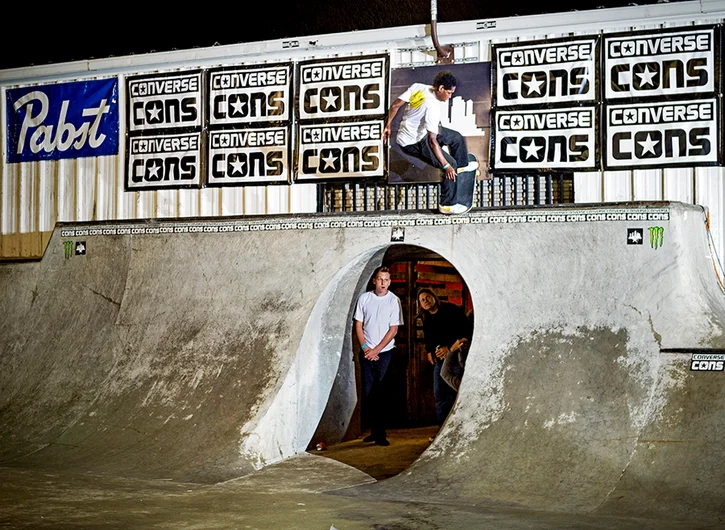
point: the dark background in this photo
(35, 34)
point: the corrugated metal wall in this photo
(34, 196)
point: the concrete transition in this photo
(201, 351)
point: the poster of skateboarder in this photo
(467, 112)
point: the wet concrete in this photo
(307, 492)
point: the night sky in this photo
(42, 35)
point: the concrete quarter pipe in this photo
(201, 351)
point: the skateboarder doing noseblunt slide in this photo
(422, 136)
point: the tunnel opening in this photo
(411, 418)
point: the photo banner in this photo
(544, 140)
(343, 89)
(246, 95)
(546, 72)
(163, 161)
(340, 151)
(679, 62)
(663, 134)
(468, 112)
(239, 157)
(62, 121)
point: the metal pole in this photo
(444, 54)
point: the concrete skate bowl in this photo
(175, 354)
(201, 355)
(578, 394)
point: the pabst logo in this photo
(68, 120)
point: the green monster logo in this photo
(656, 236)
(68, 248)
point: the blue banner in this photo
(68, 120)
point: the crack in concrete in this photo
(118, 304)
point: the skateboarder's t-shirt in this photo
(422, 114)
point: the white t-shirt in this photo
(422, 114)
(378, 313)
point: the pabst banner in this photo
(163, 161)
(662, 134)
(546, 139)
(343, 88)
(673, 62)
(250, 94)
(248, 156)
(164, 101)
(546, 72)
(340, 151)
(66, 120)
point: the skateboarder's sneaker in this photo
(472, 166)
(453, 209)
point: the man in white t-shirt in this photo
(422, 136)
(378, 313)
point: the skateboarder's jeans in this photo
(461, 191)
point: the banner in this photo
(248, 156)
(546, 72)
(163, 161)
(243, 95)
(663, 134)
(164, 131)
(164, 101)
(340, 151)
(466, 112)
(349, 88)
(65, 120)
(671, 62)
(545, 140)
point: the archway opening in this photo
(411, 412)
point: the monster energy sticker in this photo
(546, 72)
(661, 63)
(656, 236)
(79, 247)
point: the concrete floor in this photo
(317, 491)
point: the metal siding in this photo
(33, 196)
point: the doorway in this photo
(412, 419)
(410, 375)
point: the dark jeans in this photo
(374, 395)
(444, 395)
(460, 191)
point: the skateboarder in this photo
(422, 136)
